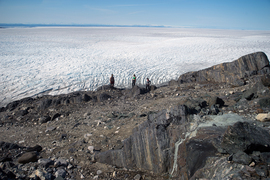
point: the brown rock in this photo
(28, 157)
(259, 111)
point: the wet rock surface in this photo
(180, 131)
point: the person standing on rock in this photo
(112, 81)
(148, 83)
(133, 80)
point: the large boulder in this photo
(233, 73)
(246, 137)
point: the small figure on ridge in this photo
(148, 83)
(133, 80)
(112, 81)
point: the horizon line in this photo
(10, 25)
(74, 25)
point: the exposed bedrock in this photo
(151, 146)
(235, 72)
(185, 145)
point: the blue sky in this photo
(222, 14)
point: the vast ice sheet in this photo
(55, 60)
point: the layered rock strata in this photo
(235, 73)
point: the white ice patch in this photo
(62, 60)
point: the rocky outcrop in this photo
(245, 137)
(150, 146)
(234, 73)
(184, 145)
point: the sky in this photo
(220, 14)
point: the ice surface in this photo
(56, 60)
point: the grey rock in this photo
(197, 153)
(241, 158)
(264, 102)
(45, 162)
(60, 162)
(60, 173)
(265, 156)
(137, 177)
(261, 170)
(246, 137)
(214, 109)
(99, 172)
(250, 94)
(50, 128)
(44, 119)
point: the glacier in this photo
(59, 60)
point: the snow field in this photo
(36, 61)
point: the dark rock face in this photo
(149, 147)
(233, 73)
(197, 154)
(243, 136)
